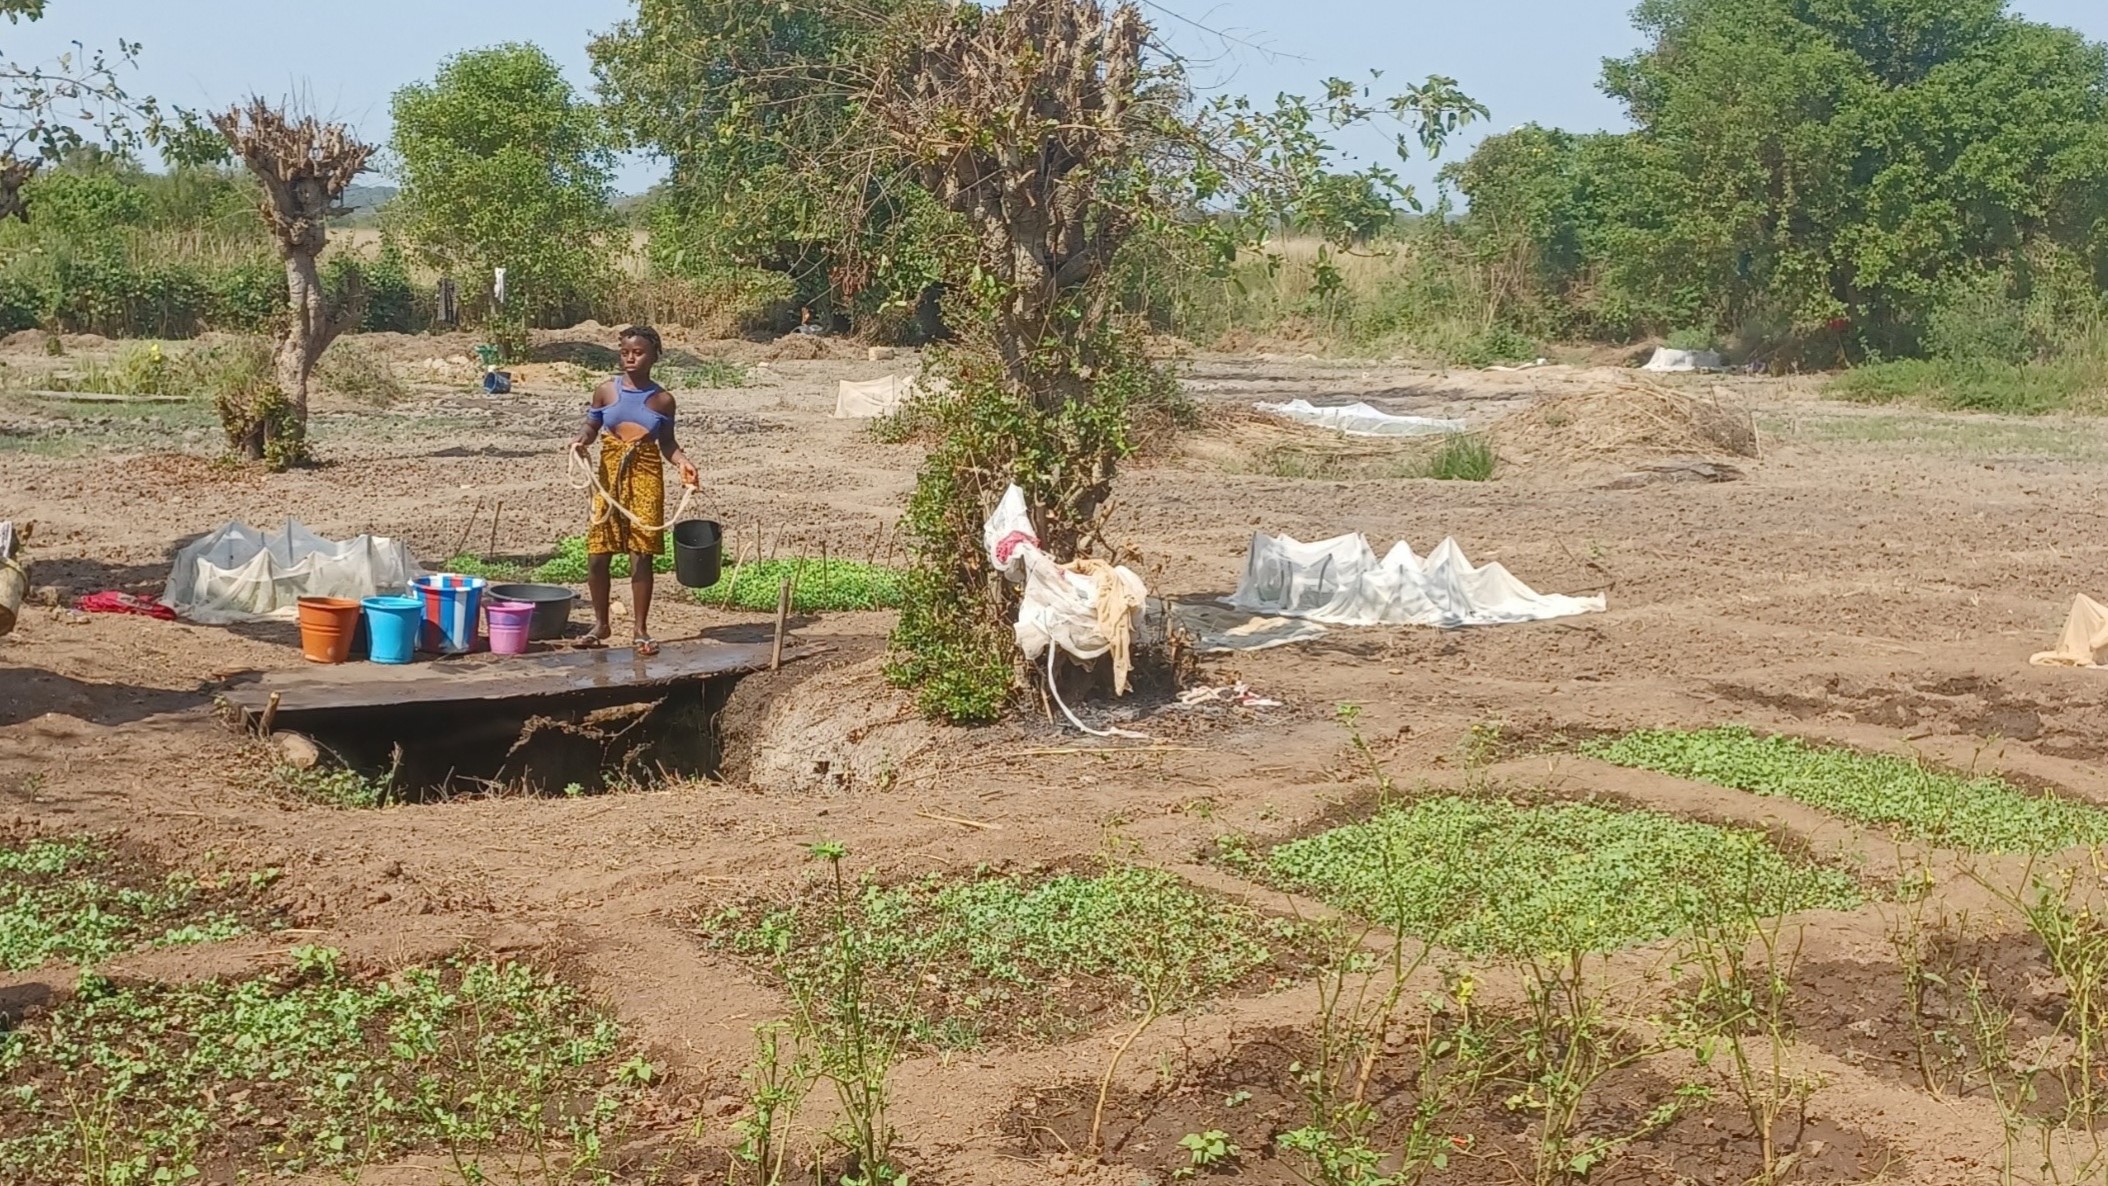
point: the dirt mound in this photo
(1627, 419)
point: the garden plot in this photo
(79, 901)
(1976, 813)
(1252, 1117)
(501, 1069)
(819, 584)
(1485, 876)
(961, 961)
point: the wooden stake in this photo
(496, 512)
(964, 823)
(783, 613)
(466, 530)
(270, 714)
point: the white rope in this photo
(1056, 689)
(578, 465)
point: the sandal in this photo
(646, 647)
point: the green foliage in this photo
(313, 1068)
(1812, 178)
(1462, 457)
(1979, 813)
(338, 786)
(124, 253)
(57, 902)
(704, 374)
(817, 585)
(962, 960)
(2073, 383)
(752, 105)
(949, 644)
(568, 566)
(1480, 875)
(503, 165)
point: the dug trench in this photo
(583, 743)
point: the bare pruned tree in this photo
(304, 165)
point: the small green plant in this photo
(339, 786)
(1573, 1037)
(1206, 1151)
(1981, 813)
(1462, 457)
(1744, 1008)
(853, 1035)
(778, 1083)
(975, 958)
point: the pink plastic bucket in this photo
(510, 623)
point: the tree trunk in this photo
(306, 335)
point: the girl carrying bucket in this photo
(633, 418)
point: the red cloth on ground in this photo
(113, 602)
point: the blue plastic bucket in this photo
(451, 603)
(391, 628)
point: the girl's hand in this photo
(689, 476)
(578, 448)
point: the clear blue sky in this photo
(1529, 60)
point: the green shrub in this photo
(21, 305)
(247, 298)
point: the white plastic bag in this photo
(1061, 603)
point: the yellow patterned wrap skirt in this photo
(632, 471)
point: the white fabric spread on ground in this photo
(873, 398)
(1361, 420)
(1341, 582)
(1666, 359)
(240, 574)
(2085, 637)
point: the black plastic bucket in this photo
(698, 552)
(552, 607)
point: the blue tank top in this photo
(632, 406)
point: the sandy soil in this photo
(1877, 577)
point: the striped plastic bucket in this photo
(452, 603)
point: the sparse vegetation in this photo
(993, 956)
(1981, 813)
(74, 900)
(316, 1067)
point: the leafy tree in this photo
(1014, 152)
(1805, 169)
(775, 165)
(45, 106)
(502, 165)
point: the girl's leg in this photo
(640, 598)
(599, 585)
